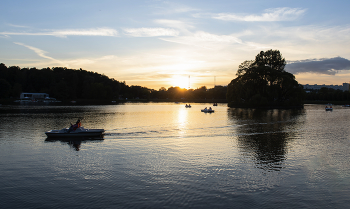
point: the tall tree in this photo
(272, 59)
(264, 82)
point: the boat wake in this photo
(195, 132)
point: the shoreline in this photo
(115, 102)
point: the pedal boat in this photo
(79, 132)
(207, 110)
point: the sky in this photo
(185, 43)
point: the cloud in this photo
(17, 26)
(168, 8)
(183, 26)
(87, 32)
(68, 32)
(309, 33)
(329, 66)
(200, 37)
(212, 41)
(150, 32)
(39, 52)
(208, 37)
(174, 23)
(274, 14)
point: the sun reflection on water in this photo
(182, 121)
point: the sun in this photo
(181, 81)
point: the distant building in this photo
(34, 96)
(344, 87)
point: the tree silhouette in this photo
(70, 84)
(264, 82)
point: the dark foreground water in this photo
(163, 155)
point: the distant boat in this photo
(215, 104)
(207, 110)
(329, 107)
(188, 106)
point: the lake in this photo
(163, 155)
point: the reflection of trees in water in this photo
(265, 133)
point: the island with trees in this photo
(263, 83)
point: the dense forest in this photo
(71, 84)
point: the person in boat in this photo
(205, 108)
(209, 108)
(78, 123)
(75, 126)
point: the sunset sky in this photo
(155, 43)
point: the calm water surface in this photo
(163, 155)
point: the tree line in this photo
(327, 94)
(71, 84)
